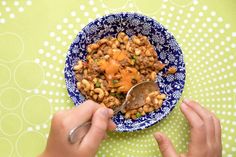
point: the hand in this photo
(62, 122)
(205, 138)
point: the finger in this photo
(111, 125)
(58, 117)
(198, 133)
(96, 133)
(207, 118)
(82, 113)
(182, 155)
(88, 108)
(217, 131)
(165, 145)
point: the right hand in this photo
(62, 122)
(205, 135)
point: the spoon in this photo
(135, 98)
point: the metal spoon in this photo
(135, 98)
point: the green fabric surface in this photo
(34, 39)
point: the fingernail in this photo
(186, 101)
(111, 112)
(183, 105)
(104, 111)
(158, 136)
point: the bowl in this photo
(169, 52)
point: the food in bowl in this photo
(113, 65)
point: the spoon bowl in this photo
(135, 97)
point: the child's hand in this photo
(205, 133)
(62, 122)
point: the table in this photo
(34, 39)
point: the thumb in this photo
(97, 132)
(165, 145)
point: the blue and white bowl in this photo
(165, 44)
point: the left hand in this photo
(205, 133)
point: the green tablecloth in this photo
(34, 39)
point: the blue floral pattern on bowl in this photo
(165, 44)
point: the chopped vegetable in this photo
(138, 115)
(113, 94)
(94, 52)
(120, 96)
(115, 81)
(134, 57)
(97, 84)
(133, 61)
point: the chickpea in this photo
(115, 50)
(160, 102)
(148, 53)
(126, 39)
(146, 108)
(95, 80)
(78, 84)
(85, 72)
(95, 96)
(78, 66)
(153, 75)
(136, 40)
(133, 111)
(140, 110)
(102, 41)
(106, 93)
(162, 96)
(151, 59)
(133, 117)
(100, 53)
(113, 90)
(120, 36)
(172, 70)
(156, 106)
(143, 113)
(127, 115)
(91, 93)
(137, 51)
(150, 109)
(107, 57)
(92, 47)
(155, 101)
(115, 44)
(148, 99)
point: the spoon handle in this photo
(77, 134)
